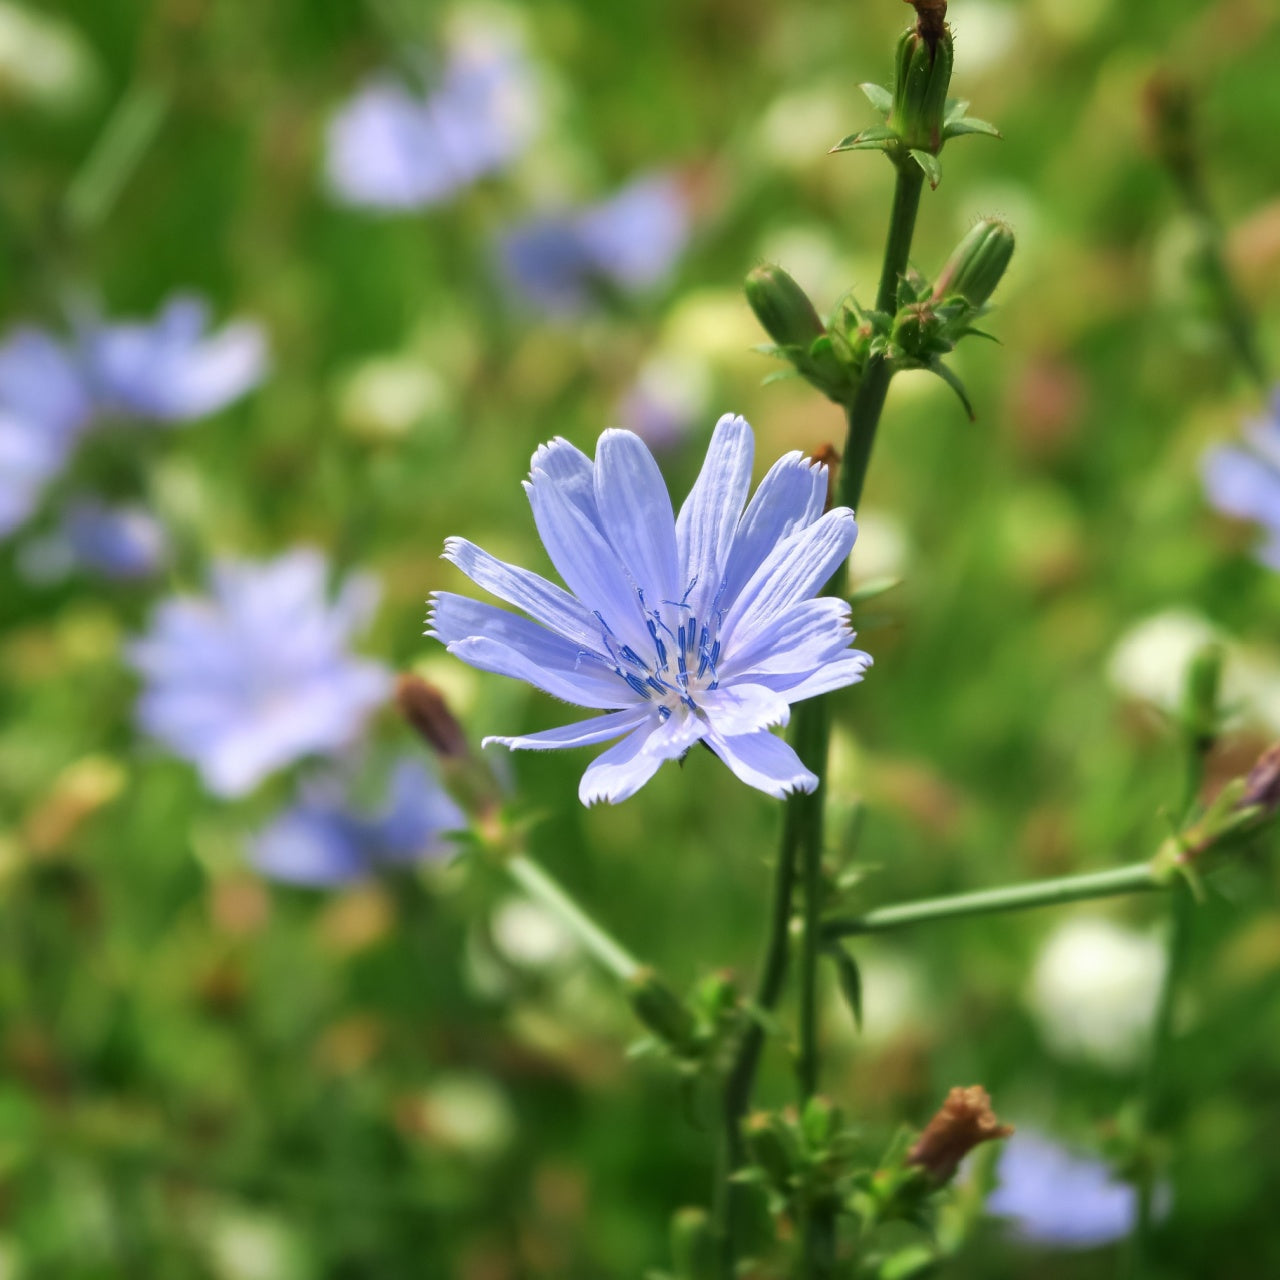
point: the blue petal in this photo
(765, 762)
(846, 670)
(541, 600)
(709, 517)
(623, 769)
(635, 511)
(790, 498)
(494, 640)
(808, 635)
(744, 708)
(793, 571)
(573, 474)
(1241, 484)
(585, 733)
(585, 560)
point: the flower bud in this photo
(820, 1122)
(922, 78)
(424, 707)
(964, 1120)
(1262, 786)
(1200, 695)
(769, 1150)
(782, 308)
(693, 1245)
(977, 263)
(661, 1010)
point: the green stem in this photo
(1135, 878)
(868, 404)
(746, 1059)
(811, 746)
(129, 131)
(540, 886)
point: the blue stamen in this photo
(636, 683)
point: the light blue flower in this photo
(323, 840)
(631, 241)
(1052, 1195)
(393, 148)
(172, 369)
(1244, 480)
(118, 542)
(45, 405)
(701, 628)
(258, 674)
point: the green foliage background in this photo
(204, 1075)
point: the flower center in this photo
(683, 657)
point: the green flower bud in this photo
(977, 263)
(921, 80)
(693, 1245)
(769, 1150)
(661, 1010)
(783, 308)
(1200, 695)
(820, 1122)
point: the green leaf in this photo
(969, 124)
(879, 97)
(780, 376)
(850, 978)
(930, 163)
(956, 385)
(878, 138)
(912, 1261)
(956, 107)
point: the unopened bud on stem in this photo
(424, 707)
(923, 76)
(977, 263)
(782, 307)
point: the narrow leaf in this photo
(956, 107)
(931, 165)
(956, 385)
(878, 138)
(970, 124)
(850, 978)
(880, 98)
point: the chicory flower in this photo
(258, 674)
(697, 628)
(1243, 480)
(323, 840)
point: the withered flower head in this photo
(931, 19)
(424, 707)
(964, 1120)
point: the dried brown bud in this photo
(1262, 786)
(424, 707)
(827, 455)
(931, 19)
(964, 1121)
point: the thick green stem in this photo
(539, 885)
(1136, 878)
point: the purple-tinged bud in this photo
(424, 707)
(977, 263)
(964, 1121)
(922, 78)
(783, 308)
(1262, 785)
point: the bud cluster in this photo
(694, 1033)
(930, 318)
(802, 1160)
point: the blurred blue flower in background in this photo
(45, 405)
(392, 147)
(258, 674)
(631, 242)
(701, 628)
(1244, 480)
(1054, 1196)
(322, 840)
(172, 369)
(119, 542)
